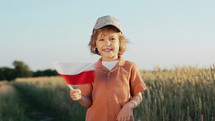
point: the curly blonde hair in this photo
(122, 40)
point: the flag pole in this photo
(70, 86)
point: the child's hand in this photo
(75, 94)
(125, 114)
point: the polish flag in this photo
(76, 73)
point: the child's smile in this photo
(107, 49)
(107, 44)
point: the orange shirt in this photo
(112, 89)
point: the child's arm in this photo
(83, 100)
(126, 111)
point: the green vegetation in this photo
(47, 72)
(48, 99)
(10, 108)
(179, 94)
(7, 74)
(182, 94)
(22, 70)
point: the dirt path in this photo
(32, 108)
(32, 112)
(6, 90)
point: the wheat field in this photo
(178, 94)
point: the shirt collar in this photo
(120, 63)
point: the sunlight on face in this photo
(107, 44)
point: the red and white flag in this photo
(76, 73)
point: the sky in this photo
(164, 33)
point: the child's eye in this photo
(101, 40)
(112, 38)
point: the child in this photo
(117, 87)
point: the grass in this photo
(182, 94)
(50, 98)
(10, 109)
(179, 94)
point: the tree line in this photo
(22, 70)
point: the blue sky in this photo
(162, 33)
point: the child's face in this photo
(107, 44)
